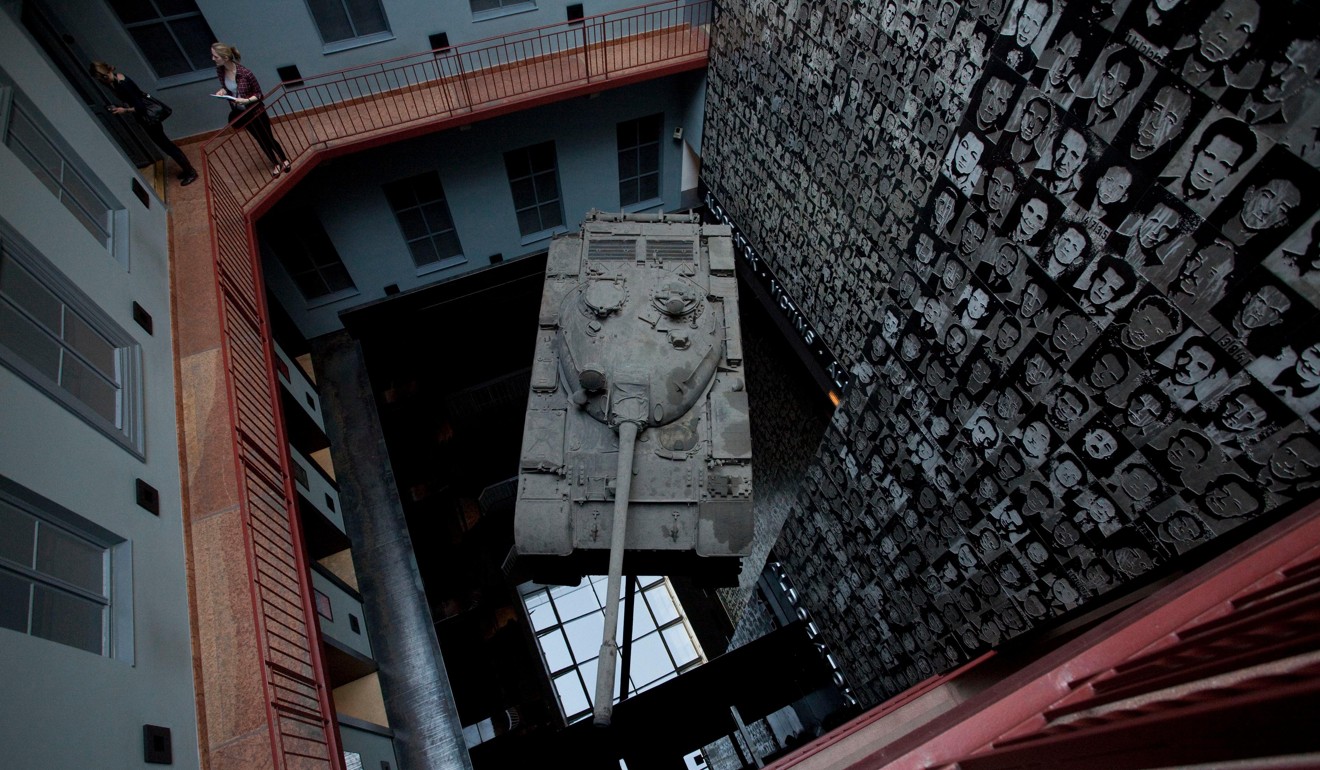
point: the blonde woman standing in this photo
(238, 82)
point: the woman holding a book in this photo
(241, 89)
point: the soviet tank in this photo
(636, 453)
(638, 327)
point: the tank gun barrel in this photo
(609, 648)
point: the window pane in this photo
(73, 560)
(447, 245)
(337, 278)
(412, 224)
(17, 530)
(524, 193)
(423, 252)
(541, 611)
(628, 162)
(642, 622)
(571, 696)
(94, 226)
(331, 20)
(551, 216)
(34, 149)
(90, 388)
(649, 660)
(680, 644)
(649, 187)
(484, 5)
(648, 157)
(22, 288)
(437, 217)
(67, 619)
(158, 45)
(29, 343)
(547, 189)
(662, 605)
(529, 222)
(576, 602)
(15, 594)
(628, 194)
(587, 669)
(555, 649)
(310, 284)
(584, 636)
(368, 17)
(89, 344)
(195, 35)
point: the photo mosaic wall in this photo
(1071, 254)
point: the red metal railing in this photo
(360, 106)
(469, 79)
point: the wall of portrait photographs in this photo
(1071, 251)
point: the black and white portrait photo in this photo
(1152, 231)
(962, 164)
(1024, 33)
(1194, 370)
(1061, 171)
(1210, 162)
(1112, 89)
(1165, 113)
(1270, 202)
(1030, 130)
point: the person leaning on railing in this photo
(240, 85)
(136, 102)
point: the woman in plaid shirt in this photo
(238, 82)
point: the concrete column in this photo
(418, 699)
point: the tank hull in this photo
(638, 324)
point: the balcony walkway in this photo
(255, 626)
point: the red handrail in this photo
(340, 107)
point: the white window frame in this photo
(505, 8)
(546, 232)
(355, 40)
(544, 608)
(643, 203)
(117, 588)
(441, 262)
(127, 428)
(178, 78)
(115, 239)
(294, 226)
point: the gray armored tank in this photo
(639, 334)
(636, 453)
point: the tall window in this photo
(54, 337)
(339, 20)
(172, 34)
(300, 244)
(639, 159)
(568, 621)
(56, 166)
(55, 577)
(423, 214)
(534, 182)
